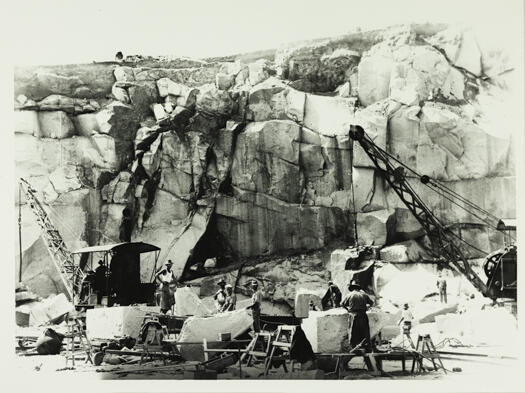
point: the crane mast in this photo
(442, 237)
(70, 274)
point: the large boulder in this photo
(303, 298)
(375, 228)
(214, 101)
(327, 331)
(329, 115)
(112, 322)
(195, 329)
(188, 303)
(409, 251)
(55, 124)
(272, 99)
(379, 319)
(26, 122)
(93, 80)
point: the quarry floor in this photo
(472, 369)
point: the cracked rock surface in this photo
(250, 162)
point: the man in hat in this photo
(100, 281)
(220, 295)
(357, 302)
(256, 306)
(442, 288)
(332, 297)
(167, 281)
(407, 317)
(229, 303)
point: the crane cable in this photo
(447, 190)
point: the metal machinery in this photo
(71, 275)
(121, 275)
(500, 266)
(121, 261)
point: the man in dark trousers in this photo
(442, 288)
(357, 302)
(332, 297)
(256, 306)
(100, 281)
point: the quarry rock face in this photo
(239, 161)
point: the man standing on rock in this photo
(332, 298)
(220, 295)
(256, 306)
(357, 302)
(442, 288)
(167, 282)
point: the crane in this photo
(443, 239)
(70, 274)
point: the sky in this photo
(60, 32)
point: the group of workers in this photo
(225, 299)
(356, 302)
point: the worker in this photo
(332, 297)
(167, 281)
(119, 57)
(405, 322)
(256, 306)
(229, 303)
(356, 302)
(442, 288)
(220, 295)
(100, 281)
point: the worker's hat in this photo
(169, 262)
(354, 284)
(221, 281)
(228, 286)
(330, 282)
(254, 283)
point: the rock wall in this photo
(237, 160)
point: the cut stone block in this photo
(50, 309)
(375, 227)
(188, 303)
(198, 328)
(86, 124)
(379, 319)
(409, 251)
(303, 297)
(55, 124)
(111, 322)
(327, 331)
(26, 122)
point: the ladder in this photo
(264, 339)
(71, 275)
(283, 341)
(426, 350)
(76, 331)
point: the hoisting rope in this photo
(449, 195)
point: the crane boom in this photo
(441, 236)
(70, 274)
